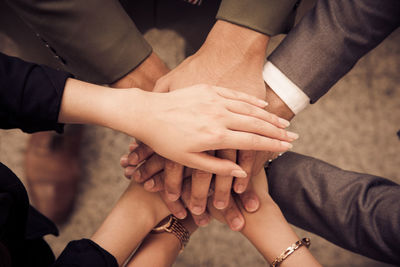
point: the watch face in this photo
(163, 225)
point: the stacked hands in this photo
(209, 131)
(202, 146)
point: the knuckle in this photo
(255, 140)
(222, 192)
(171, 165)
(282, 134)
(198, 197)
(247, 156)
(200, 174)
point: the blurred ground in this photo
(354, 127)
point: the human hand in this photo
(203, 118)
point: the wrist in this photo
(238, 41)
(124, 110)
(145, 75)
(276, 105)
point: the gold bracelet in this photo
(175, 227)
(304, 242)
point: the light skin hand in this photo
(215, 117)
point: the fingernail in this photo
(219, 204)
(292, 135)
(203, 222)
(197, 210)
(133, 159)
(239, 173)
(263, 103)
(129, 171)
(286, 144)
(251, 205)
(124, 160)
(149, 184)
(181, 215)
(284, 122)
(240, 188)
(136, 175)
(172, 196)
(236, 224)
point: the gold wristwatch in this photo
(175, 227)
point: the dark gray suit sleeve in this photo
(331, 38)
(95, 39)
(358, 212)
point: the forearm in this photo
(236, 43)
(269, 232)
(128, 223)
(86, 103)
(165, 246)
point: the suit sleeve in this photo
(30, 95)
(355, 211)
(331, 38)
(95, 39)
(270, 17)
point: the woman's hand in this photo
(182, 124)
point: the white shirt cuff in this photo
(290, 93)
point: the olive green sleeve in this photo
(270, 17)
(95, 39)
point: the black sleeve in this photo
(355, 211)
(86, 253)
(30, 95)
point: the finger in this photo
(128, 171)
(154, 184)
(250, 110)
(199, 191)
(141, 153)
(208, 163)
(133, 145)
(173, 174)
(251, 141)
(150, 167)
(223, 184)
(246, 160)
(233, 216)
(236, 95)
(175, 207)
(200, 220)
(245, 123)
(249, 199)
(123, 161)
